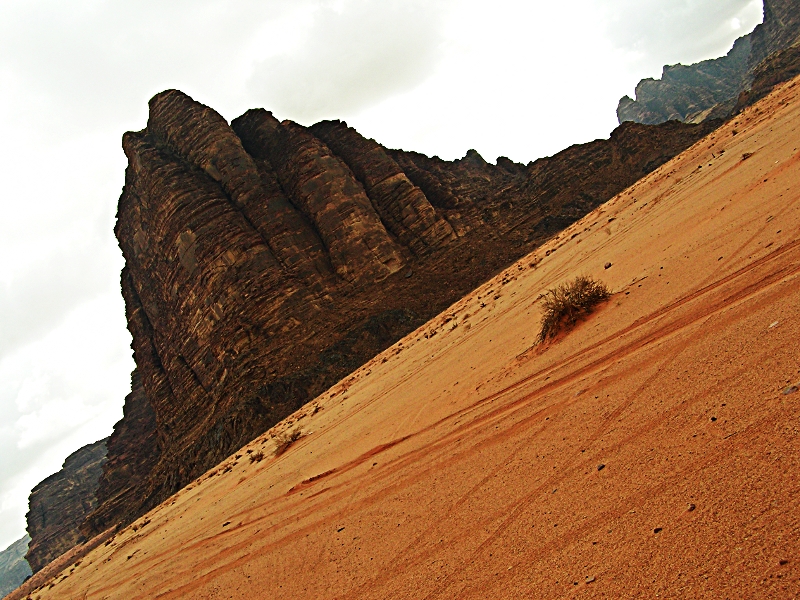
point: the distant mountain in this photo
(14, 569)
(711, 88)
(776, 68)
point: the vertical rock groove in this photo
(401, 205)
(324, 188)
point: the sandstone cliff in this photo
(266, 260)
(14, 569)
(710, 89)
(60, 503)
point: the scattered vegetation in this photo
(286, 439)
(565, 304)
(256, 456)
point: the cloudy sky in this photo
(517, 78)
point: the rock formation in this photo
(60, 503)
(710, 89)
(14, 569)
(266, 260)
(123, 474)
(774, 70)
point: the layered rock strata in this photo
(710, 89)
(266, 260)
(400, 204)
(59, 504)
(684, 93)
(776, 69)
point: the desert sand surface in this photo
(651, 452)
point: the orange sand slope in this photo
(651, 452)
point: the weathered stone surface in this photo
(779, 30)
(14, 569)
(322, 186)
(709, 89)
(399, 203)
(205, 140)
(582, 177)
(685, 92)
(776, 69)
(203, 293)
(255, 281)
(465, 191)
(59, 504)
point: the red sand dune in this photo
(464, 462)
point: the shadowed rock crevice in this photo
(401, 205)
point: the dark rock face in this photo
(400, 204)
(776, 69)
(685, 92)
(266, 260)
(122, 476)
(60, 503)
(14, 569)
(710, 89)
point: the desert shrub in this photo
(256, 456)
(286, 439)
(565, 304)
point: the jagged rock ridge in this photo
(710, 89)
(266, 260)
(59, 504)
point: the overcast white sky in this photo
(523, 79)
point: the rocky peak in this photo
(709, 89)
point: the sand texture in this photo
(651, 452)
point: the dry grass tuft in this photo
(565, 304)
(286, 439)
